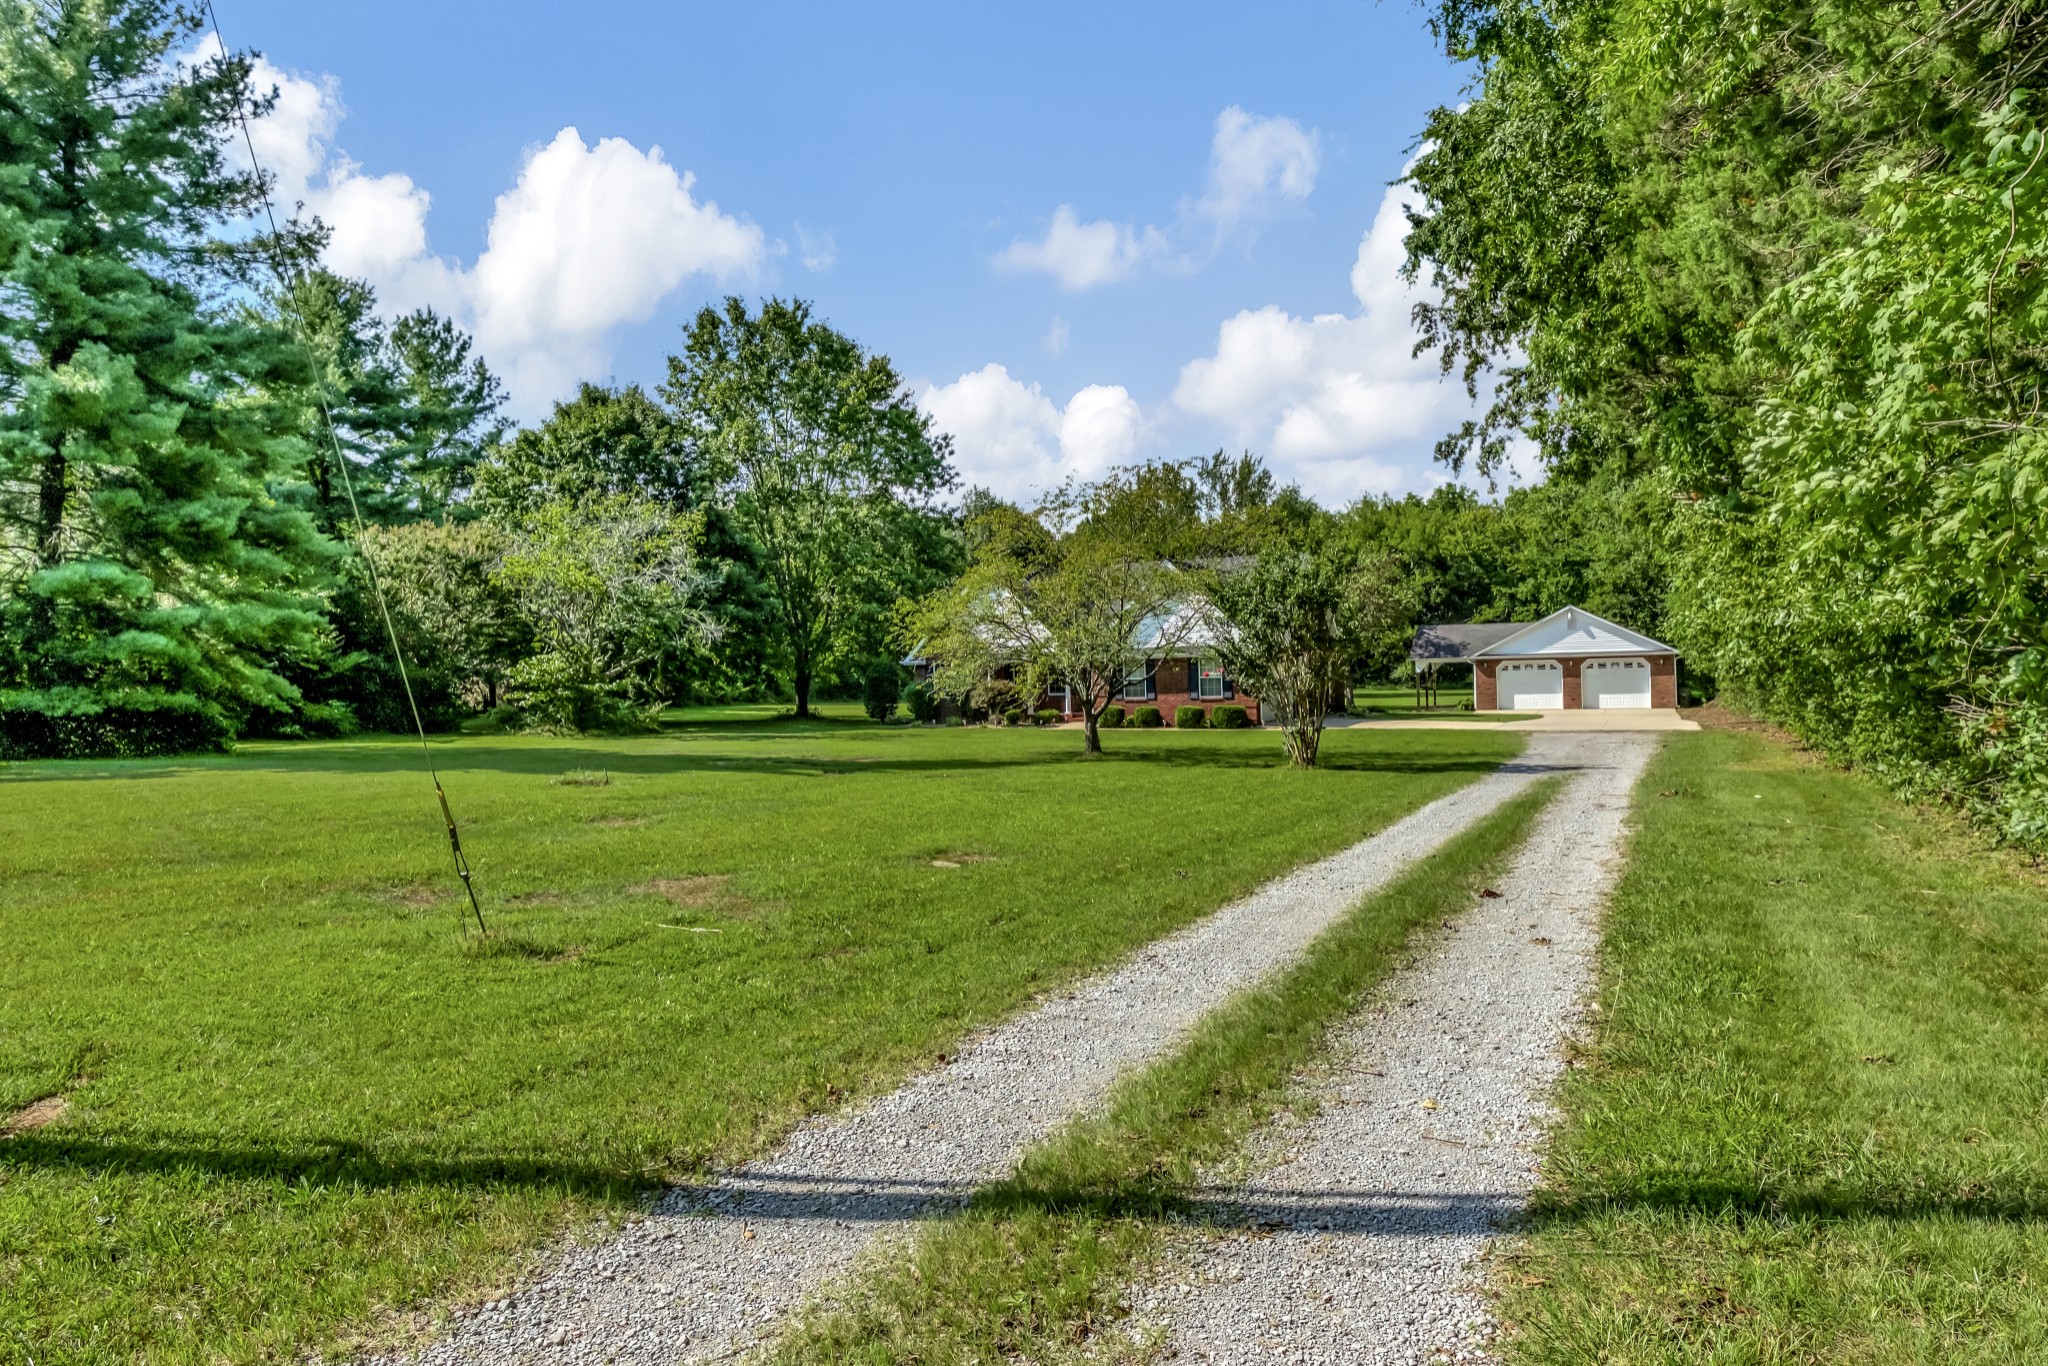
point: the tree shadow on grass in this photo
(312, 1163)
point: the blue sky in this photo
(1084, 233)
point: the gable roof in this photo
(1572, 631)
(1456, 642)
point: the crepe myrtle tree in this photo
(606, 586)
(1289, 624)
(1072, 606)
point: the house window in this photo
(1138, 683)
(1056, 693)
(1207, 678)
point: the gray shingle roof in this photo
(1452, 642)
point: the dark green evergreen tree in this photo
(156, 558)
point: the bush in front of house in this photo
(1014, 717)
(1189, 717)
(1046, 716)
(881, 690)
(1230, 718)
(1147, 718)
(922, 703)
(1112, 717)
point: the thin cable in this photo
(348, 485)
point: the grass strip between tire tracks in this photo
(1037, 1263)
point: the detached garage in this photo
(1569, 661)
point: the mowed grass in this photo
(299, 1096)
(1814, 1125)
(1397, 700)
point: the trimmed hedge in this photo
(1112, 717)
(1046, 716)
(1147, 717)
(1189, 717)
(1230, 718)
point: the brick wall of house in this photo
(1663, 680)
(1485, 687)
(1170, 683)
(1571, 683)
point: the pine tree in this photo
(155, 552)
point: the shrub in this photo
(1112, 717)
(1230, 717)
(1014, 717)
(921, 702)
(1046, 716)
(1148, 718)
(1189, 717)
(881, 689)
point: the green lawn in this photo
(1397, 701)
(299, 1097)
(1814, 1126)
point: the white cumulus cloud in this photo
(1009, 437)
(590, 237)
(1080, 255)
(1255, 162)
(1337, 398)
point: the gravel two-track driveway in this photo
(1360, 1243)
(714, 1269)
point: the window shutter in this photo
(1194, 679)
(1151, 680)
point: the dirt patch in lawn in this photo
(34, 1116)
(417, 897)
(956, 858)
(703, 891)
(616, 821)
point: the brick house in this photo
(1168, 679)
(1571, 660)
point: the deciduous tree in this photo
(827, 466)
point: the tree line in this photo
(228, 482)
(196, 421)
(1770, 275)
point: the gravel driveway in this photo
(1358, 1245)
(712, 1270)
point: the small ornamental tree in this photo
(1072, 607)
(881, 689)
(606, 586)
(1290, 623)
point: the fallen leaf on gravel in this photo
(1430, 1103)
(1490, 894)
(1541, 939)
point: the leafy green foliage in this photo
(881, 689)
(1069, 596)
(1765, 278)
(1189, 717)
(607, 584)
(828, 467)
(1230, 717)
(1294, 619)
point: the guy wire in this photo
(286, 278)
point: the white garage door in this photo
(1614, 683)
(1535, 686)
